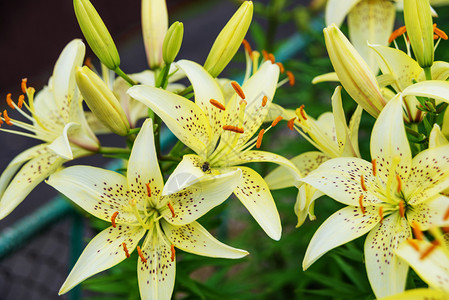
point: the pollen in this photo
(381, 214)
(281, 67)
(7, 118)
(401, 209)
(362, 182)
(291, 78)
(397, 33)
(271, 58)
(290, 123)
(276, 121)
(398, 178)
(173, 252)
(148, 189)
(373, 162)
(144, 260)
(114, 215)
(439, 33)
(264, 101)
(301, 112)
(265, 55)
(247, 47)
(238, 89)
(9, 101)
(362, 208)
(20, 102)
(413, 244)
(125, 249)
(429, 250)
(259, 138)
(23, 85)
(417, 231)
(171, 209)
(233, 128)
(217, 104)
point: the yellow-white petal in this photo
(336, 10)
(188, 171)
(343, 226)
(436, 89)
(304, 205)
(430, 213)
(326, 78)
(354, 132)
(61, 145)
(436, 137)
(387, 272)
(104, 251)
(195, 239)
(419, 294)
(276, 110)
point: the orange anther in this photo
(271, 58)
(417, 231)
(238, 89)
(148, 189)
(398, 178)
(302, 112)
(217, 104)
(233, 128)
(265, 55)
(171, 209)
(429, 250)
(290, 123)
(125, 249)
(243, 102)
(259, 138)
(264, 101)
(397, 33)
(291, 78)
(281, 67)
(446, 214)
(440, 33)
(9, 101)
(1, 121)
(373, 162)
(23, 85)
(247, 47)
(144, 260)
(445, 229)
(114, 215)
(413, 244)
(401, 209)
(6, 117)
(362, 182)
(173, 252)
(88, 63)
(276, 121)
(381, 214)
(20, 102)
(435, 37)
(362, 208)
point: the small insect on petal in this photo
(6, 117)
(429, 250)
(276, 121)
(247, 47)
(362, 182)
(259, 138)
(171, 209)
(362, 208)
(238, 89)
(417, 231)
(144, 260)
(290, 123)
(413, 244)
(233, 128)
(281, 67)
(173, 252)
(373, 162)
(23, 85)
(291, 78)
(217, 104)
(9, 101)
(264, 101)
(148, 189)
(397, 33)
(125, 249)
(114, 215)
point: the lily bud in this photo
(101, 101)
(96, 33)
(418, 21)
(445, 128)
(229, 40)
(353, 72)
(154, 28)
(172, 42)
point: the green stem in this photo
(169, 158)
(186, 91)
(412, 131)
(122, 74)
(428, 72)
(113, 150)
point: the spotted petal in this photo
(104, 251)
(343, 226)
(430, 213)
(195, 239)
(387, 272)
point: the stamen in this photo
(1, 121)
(276, 121)
(413, 244)
(362, 182)
(401, 209)
(446, 214)
(217, 104)
(281, 67)
(440, 33)
(398, 178)
(20, 102)
(6, 117)
(429, 250)
(381, 214)
(233, 128)
(290, 123)
(238, 89)
(265, 55)
(148, 189)
(417, 231)
(243, 103)
(302, 113)
(9, 101)
(171, 209)
(173, 252)
(259, 138)
(114, 215)
(435, 37)
(125, 249)
(373, 162)
(271, 58)
(144, 260)
(247, 47)
(264, 101)
(362, 208)
(397, 33)
(291, 78)
(88, 63)
(23, 85)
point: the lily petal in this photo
(304, 205)
(343, 226)
(430, 213)
(195, 239)
(337, 10)
(104, 251)
(387, 272)
(332, 76)
(61, 145)
(186, 173)
(354, 124)
(436, 137)
(436, 89)
(419, 294)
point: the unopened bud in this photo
(172, 42)
(229, 39)
(101, 101)
(96, 33)
(154, 28)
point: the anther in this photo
(362, 208)
(417, 231)
(247, 47)
(429, 250)
(440, 33)
(302, 112)
(88, 63)
(398, 178)
(290, 123)
(265, 55)
(233, 128)
(362, 182)
(446, 214)
(144, 260)
(373, 162)
(243, 102)
(148, 189)
(401, 208)
(1, 121)
(20, 102)
(114, 215)
(281, 67)
(413, 244)
(276, 121)
(381, 214)
(217, 104)
(264, 101)
(125, 249)
(23, 85)
(271, 58)
(173, 252)
(238, 89)
(397, 33)
(259, 138)
(291, 78)
(6, 117)
(9, 101)
(171, 209)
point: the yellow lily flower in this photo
(138, 205)
(384, 197)
(58, 120)
(419, 294)
(220, 134)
